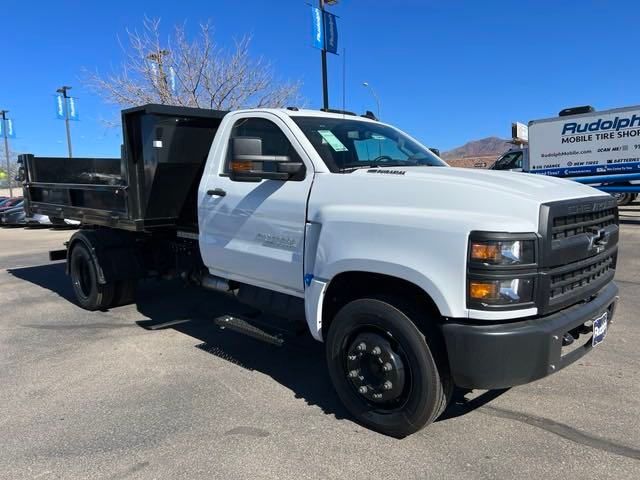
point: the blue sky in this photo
(446, 71)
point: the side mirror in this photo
(248, 164)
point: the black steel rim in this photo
(377, 369)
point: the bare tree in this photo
(191, 73)
(6, 177)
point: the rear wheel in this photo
(383, 368)
(91, 295)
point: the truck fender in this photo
(112, 253)
(316, 289)
(82, 237)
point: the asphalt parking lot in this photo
(103, 395)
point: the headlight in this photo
(502, 252)
(502, 270)
(510, 291)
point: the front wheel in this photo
(383, 369)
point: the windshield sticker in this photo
(332, 140)
(377, 137)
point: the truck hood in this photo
(537, 188)
(474, 199)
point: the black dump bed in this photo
(152, 186)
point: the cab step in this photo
(240, 325)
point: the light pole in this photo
(323, 56)
(375, 96)
(162, 85)
(6, 148)
(63, 90)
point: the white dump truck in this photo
(347, 226)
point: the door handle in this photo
(217, 192)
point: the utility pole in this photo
(6, 148)
(63, 90)
(163, 84)
(323, 53)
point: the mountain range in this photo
(477, 153)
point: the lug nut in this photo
(362, 346)
(387, 385)
(376, 351)
(387, 367)
(363, 390)
(352, 357)
(377, 396)
(353, 373)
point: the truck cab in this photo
(347, 226)
(515, 160)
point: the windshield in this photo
(346, 145)
(508, 161)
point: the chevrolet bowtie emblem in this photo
(598, 240)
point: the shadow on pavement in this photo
(299, 364)
(460, 406)
(50, 276)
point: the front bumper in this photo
(508, 354)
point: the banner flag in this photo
(317, 28)
(330, 32)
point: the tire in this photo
(91, 295)
(419, 385)
(125, 292)
(622, 199)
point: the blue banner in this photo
(59, 107)
(72, 110)
(317, 29)
(11, 132)
(7, 128)
(330, 33)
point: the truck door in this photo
(253, 232)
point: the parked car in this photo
(10, 203)
(13, 217)
(37, 220)
(63, 223)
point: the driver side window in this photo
(274, 141)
